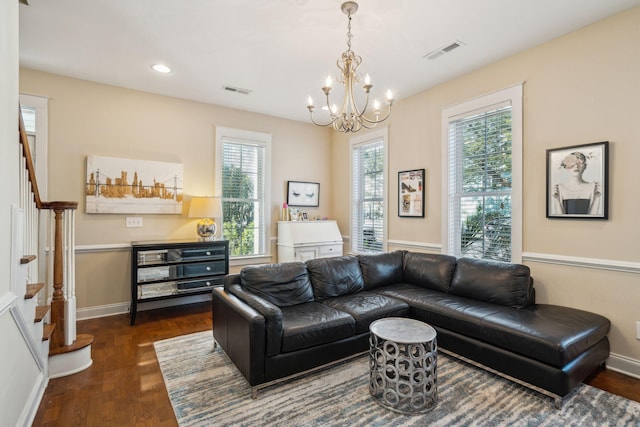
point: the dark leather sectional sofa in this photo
(278, 320)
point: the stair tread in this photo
(41, 311)
(82, 341)
(27, 259)
(48, 331)
(33, 289)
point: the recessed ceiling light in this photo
(161, 68)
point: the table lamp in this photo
(207, 209)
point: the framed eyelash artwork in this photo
(300, 193)
(577, 181)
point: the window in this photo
(243, 176)
(369, 199)
(483, 146)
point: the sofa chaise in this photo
(279, 320)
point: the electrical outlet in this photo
(134, 221)
(638, 330)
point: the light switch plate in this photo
(134, 221)
(638, 330)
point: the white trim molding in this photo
(405, 244)
(110, 247)
(123, 307)
(572, 261)
(624, 365)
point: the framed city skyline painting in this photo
(127, 186)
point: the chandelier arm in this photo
(320, 124)
(331, 113)
(378, 119)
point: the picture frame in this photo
(301, 193)
(116, 185)
(578, 181)
(411, 189)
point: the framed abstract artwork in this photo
(411, 193)
(577, 181)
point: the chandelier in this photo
(350, 118)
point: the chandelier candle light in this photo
(349, 118)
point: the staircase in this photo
(47, 314)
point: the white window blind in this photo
(368, 196)
(243, 196)
(480, 184)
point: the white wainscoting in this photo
(572, 261)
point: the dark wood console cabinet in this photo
(171, 269)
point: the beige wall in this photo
(93, 119)
(578, 89)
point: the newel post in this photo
(58, 298)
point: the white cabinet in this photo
(304, 240)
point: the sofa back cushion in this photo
(332, 277)
(492, 281)
(381, 269)
(283, 284)
(432, 271)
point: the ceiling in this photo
(282, 50)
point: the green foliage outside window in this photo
(486, 172)
(238, 211)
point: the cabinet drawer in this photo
(217, 252)
(201, 269)
(199, 284)
(157, 290)
(330, 250)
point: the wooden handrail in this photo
(26, 153)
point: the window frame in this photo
(484, 103)
(225, 134)
(381, 134)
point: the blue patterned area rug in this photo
(206, 389)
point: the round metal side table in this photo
(402, 364)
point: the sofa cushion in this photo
(492, 281)
(433, 271)
(381, 269)
(283, 284)
(550, 334)
(366, 307)
(313, 324)
(332, 277)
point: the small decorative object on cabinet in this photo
(171, 269)
(303, 240)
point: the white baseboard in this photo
(32, 405)
(624, 365)
(123, 307)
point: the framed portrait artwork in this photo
(577, 181)
(301, 193)
(411, 193)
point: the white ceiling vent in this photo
(237, 90)
(445, 49)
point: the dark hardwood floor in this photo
(124, 386)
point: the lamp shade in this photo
(205, 207)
